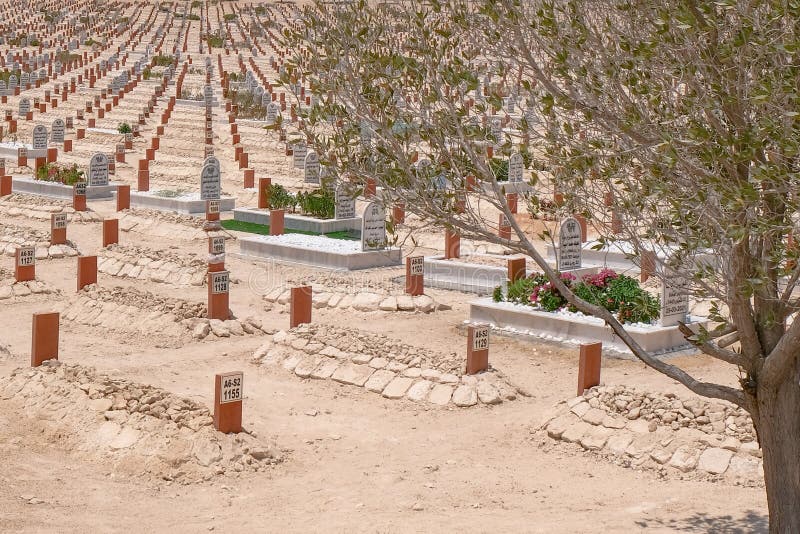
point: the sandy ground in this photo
(354, 461)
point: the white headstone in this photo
(57, 131)
(312, 168)
(373, 227)
(515, 167)
(345, 204)
(569, 245)
(299, 151)
(98, 170)
(272, 112)
(210, 183)
(24, 106)
(40, 137)
(674, 298)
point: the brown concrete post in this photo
(415, 277)
(399, 213)
(589, 366)
(79, 196)
(58, 228)
(371, 188)
(44, 338)
(276, 222)
(512, 201)
(228, 395)
(87, 271)
(25, 264)
(123, 197)
(218, 295)
(504, 228)
(452, 244)
(249, 178)
(263, 192)
(648, 265)
(477, 348)
(517, 269)
(300, 306)
(52, 155)
(110, 232)
(5, 185)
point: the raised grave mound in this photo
(383, 366)
(673, 437)
(133, 428)
(12, 237)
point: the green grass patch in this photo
(263, 229)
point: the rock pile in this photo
(157, 319)
(12, 237)
(362, 301)
(10, 289)
(162, 224)
(661, 432)
(159, 266)
(383, 366)
(136, 427)
(40, 208)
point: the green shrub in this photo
(499, 168)
(162, 60)
(124, 128)
(497, 294)
(319, 203)
(229, 17)
(280, 198)
(215, 41)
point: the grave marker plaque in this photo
(312, 168)
(57, 131)
(210, 183)
(24, 107)
(345, 204)
(220, 282)
(515, 167)
(569, 245)
(26, 256)
(674, 298)
(40, 137)
(98, 170)
(373, 227)
(217, 245)
(299, 151)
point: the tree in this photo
(683, 115)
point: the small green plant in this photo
(146, 73)
(197, 3)
(497, 294)
(124, 128)
(319, 203)
(169, 193)
(499, 168)
(215, 40)
(162, 60)
(229, 17)
(280, 198)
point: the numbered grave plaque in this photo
(80, 189)
(27, 256)
(480, 337)
(232, 387)
(220, 282)
(417, 265)
(59, 221)
(217, 245)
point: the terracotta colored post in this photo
(44, 338)
(143, 181)
(52, 155)
(477, 348)
(371, 188)
(263, 192)
(58, 228)
(415, 277)
(589, 366)
(212, 210)
(276, 222)
(249, 178)
(5, 185)
(399, 213)
(452, 244)
(517, 269)
(504, 228)
(123, 197)
(228, 394)
(616, 223)
(25, 264)
(300, 306)
(584, 228)
(87, 271)
(648, 265)
(511, 200)
(218, 295)
(67, 145)
(110, 232)
(243, 159)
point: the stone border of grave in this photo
(190, 206)
(254, 248)
(24, 289)
(393, 376)
(363, 301)
(661, 432)
(460, 275)
(43, 188)
(518, 319)
(614, 256)
(303, 223)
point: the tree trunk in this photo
(778, 425)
